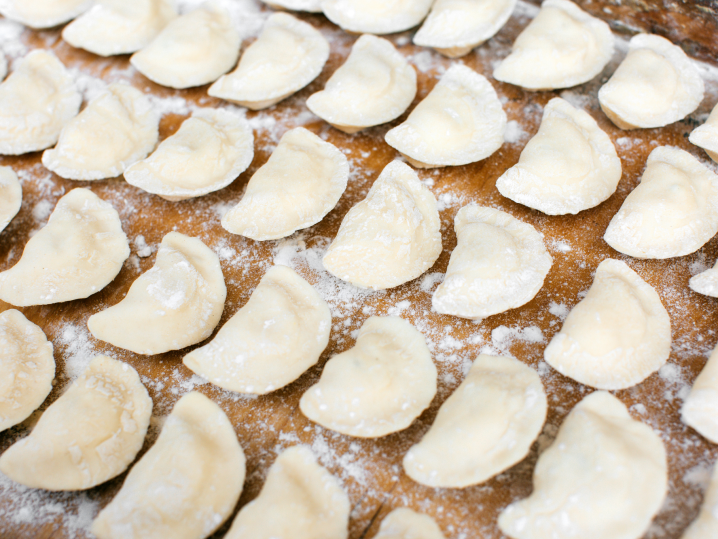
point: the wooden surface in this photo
(371, 470)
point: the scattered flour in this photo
(514, 132)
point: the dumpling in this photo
(194, 49)
(569, 166)
(706, 525)
(390, 237)
(605, 477)
(186, 485)
(207, 153)
(700, 409)
(87, 436)
(673, 211)
(175, 304)
(499, 263)
(617, 335)
(301, 182)
(117, 129)
(706, 136)
(377, 387)
(655, 85)
(299, 500)
(562, 47)
(10, 196)
(403, 523)
(454, 27)
(79, 252)
(43, 13)
(374, 86)
(288, 55)
(27, 365)
(119, 27)
(706, 283)
(313, 6)
(40, 89)
(461, 121)
(271, 341)
(376, 16)
(486, 426)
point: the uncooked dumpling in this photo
(461, 121)
(118, 26)
(288, 55)
(562, 47)
(10, 196)
(374, 86)
(43, 13)
(186, 485)
(390, 237)
(192, 50)
(79, 252)
(706, 136)
(376, 16)
(700, 409)
(299, 500)
(301, 182)
(207, 153)
(605, 476)
(403, 523)
(115, 130)
(377, 387)
(706, 525)
(486, 426)
(87, 436)
(673, 211)
(617, 335)
(313, 6)
(655, 85)
(42, 89)
(499, 263)
(706, 283)
(175, 304)
(271, 341)
(27, 365)
(569, 166)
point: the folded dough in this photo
(301, 182)
(313, 6)
(43, 13)
(271, 341)
(79, 252)
(87, 436)
(206, 154)
(604, 477)
(186, 485)
(461, 121)
(562, 47)
(376, 16)
(673, 211)
(706, 283)
(706, 136)
(403, 523)
(10, 196)
(377, 387)
(288, 55)
(42, 89)
(655, 85)
(374, 86)
(706, 525)
(700, 409)
(117, 129)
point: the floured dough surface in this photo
(403, 523)
(186, 485)
(313, 6)
(700, 409)
(376, 16)
(43, 13)
(706, 136)
(87, 436)
(706, 525)
(10, 196)
(706, 282)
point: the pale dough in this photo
(10, 196)
(706, 283)
(706, 136)
(403, 523)
(376, 16)
(313, 6)
(43, 13)
(700, 409)
(706, 525)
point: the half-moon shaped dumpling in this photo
(390, 237)
(175, 304)
(706, 136)
(700, 409)
(706, 525)
(43, 13)
(79, 252)
(87, 436)
(186, 485)
(706, 283)
(271, 341)
(673, 211)
(27, 365)
(376, 16)
(374, 86)
(655, 85)
(617, 335)
(605, 477)
(486, 426)
(377, 387)
(313, 6)
(42, 89)
(301, 182)
(499, 263)
(118, 26)
(117, 129)
(562, 47)
(207, 153)
(403, 523)
(194, 49)
(461, 121)
(454, 27)
(299, 500)
(569, 166)
(10, 196)
(288, 55)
